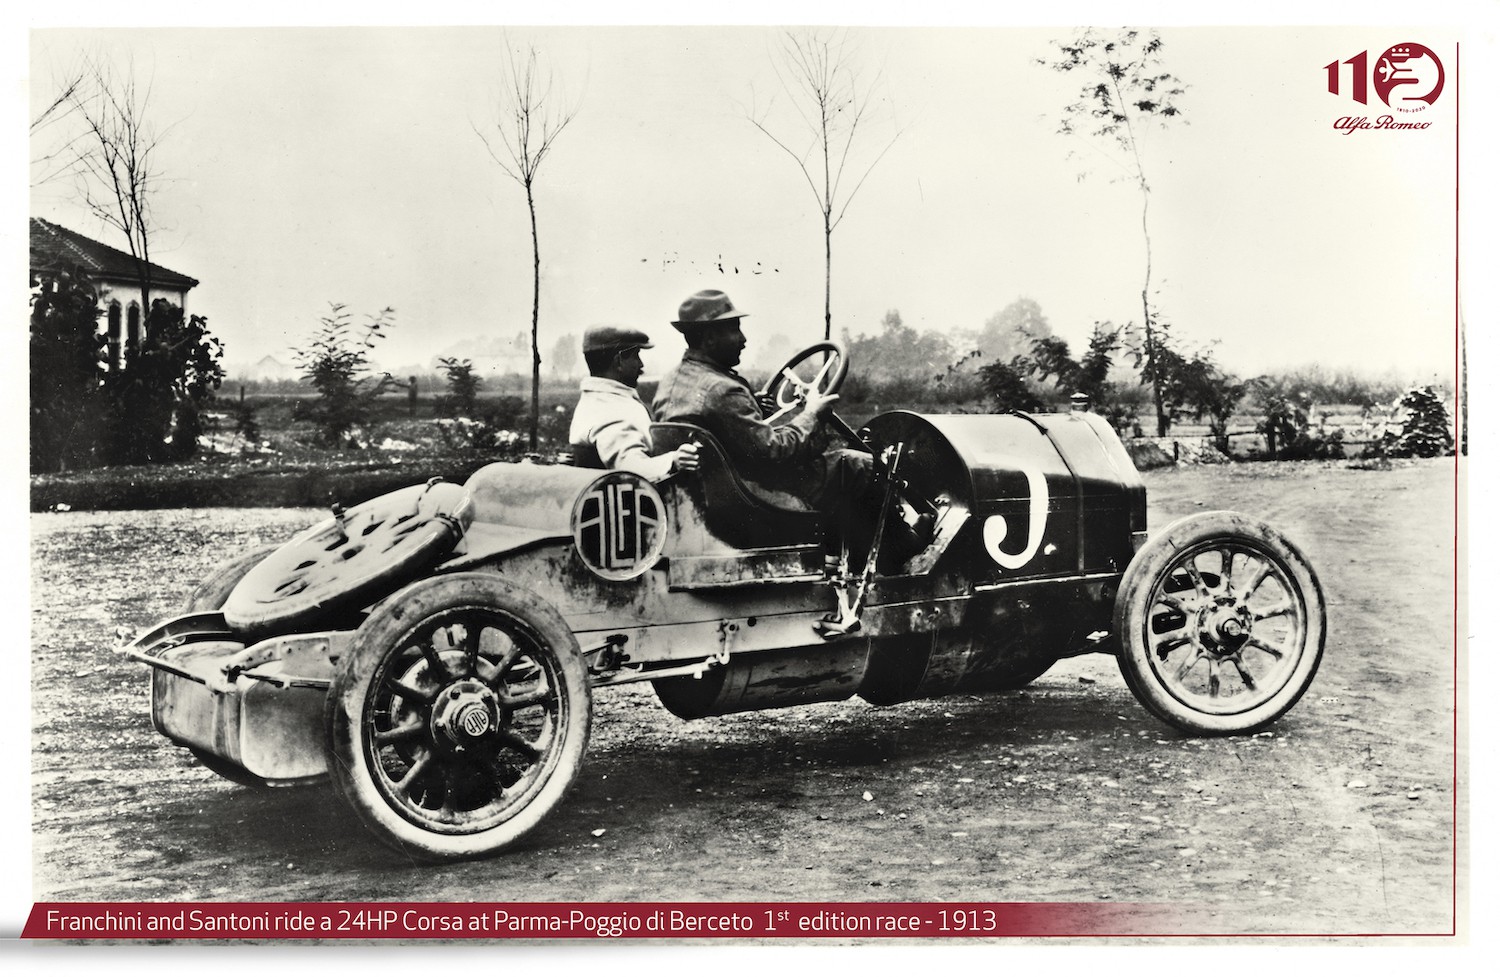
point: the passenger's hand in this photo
(819, 404)
(685, 458)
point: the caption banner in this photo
(581, 920)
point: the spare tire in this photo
(346, 562)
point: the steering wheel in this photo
(789, 385)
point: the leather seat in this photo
(740, 512)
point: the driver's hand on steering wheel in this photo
(767, 404)
(819, 404)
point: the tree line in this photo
(1016, 363)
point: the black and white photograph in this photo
(808, 470)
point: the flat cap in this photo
(614, 337)
(709, 305)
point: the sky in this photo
(314, 165)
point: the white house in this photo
(115, 275)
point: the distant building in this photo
(114, 274)
(492, 357)
(269, 368)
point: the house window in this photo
(114, 335)
(133, 332)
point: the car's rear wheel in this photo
(459, 718)
(1221, 624)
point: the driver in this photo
(705, 390)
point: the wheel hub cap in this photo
(466, 712)
(1224, 630)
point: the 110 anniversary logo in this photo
(1408, 78)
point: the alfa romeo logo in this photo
(475, 721)
(617, 526)
(1408, 77)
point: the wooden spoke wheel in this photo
(1221, 623)
(460, 717)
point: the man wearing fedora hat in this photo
(705, 390)
(611, 428)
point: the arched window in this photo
(133, 332)
(114, 335)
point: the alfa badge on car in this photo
(617, 526)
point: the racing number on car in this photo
(996, 528)
(617, 526)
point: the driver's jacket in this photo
(699, 391)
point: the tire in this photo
(459, 718)
(1221, 623)
(215, 588)
(344, 563)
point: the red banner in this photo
(585, 920)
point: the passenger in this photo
(611, 427)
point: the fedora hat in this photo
(709, 305)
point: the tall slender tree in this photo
(820, 73)
(529, 119)
(1125, 90)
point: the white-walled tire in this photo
(459, 718)
(1221, 623)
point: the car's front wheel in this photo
(459, 718)
(1220, 621)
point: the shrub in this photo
(336, 362)
(1426, 430)
(1005, 385)
(1286, 422)
(156, 401)
(66, 355)
(246, 424)
(85, 410)
(1009, 385)
(463, 388)
(493, 435)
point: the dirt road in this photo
(1339, 819)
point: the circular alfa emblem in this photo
(617, 526)
(475, 721)
(1408, 77)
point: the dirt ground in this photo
(1340, 819)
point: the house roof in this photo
(51, 243)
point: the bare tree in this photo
(56, 161)
(819, 70)
(1125, 89)
(116, 166)
(529, 120)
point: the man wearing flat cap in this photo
(611, 428)
(705, 390)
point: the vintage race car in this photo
(436, 650)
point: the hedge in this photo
(237, 485)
